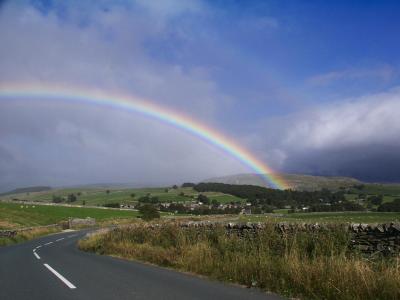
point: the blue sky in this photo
(308, 86)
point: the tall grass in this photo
(315, 265)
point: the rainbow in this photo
(146, 108)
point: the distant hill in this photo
(296, 181)
(30, 189)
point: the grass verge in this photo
(314, 265)
(28, 235)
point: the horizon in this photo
(138, 185)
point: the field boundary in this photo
(9, 233)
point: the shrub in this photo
(57, 199)
(113, 205)
(390, 206)
(72, 198)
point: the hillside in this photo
(31, 189)
(100, 196)
(296, 181)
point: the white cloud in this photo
(368, 119)
(382, 73)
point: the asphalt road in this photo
(53, 268)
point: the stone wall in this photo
(376, 238)
(71, 223)
(367, 238)
(74, 222)
(14, 232)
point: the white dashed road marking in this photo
(36, 255)
(59, 276)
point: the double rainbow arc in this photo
(149, 109)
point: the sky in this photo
(309, 87)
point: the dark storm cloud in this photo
(376, 163)
(357, 137)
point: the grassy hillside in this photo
(100, 196)
(27, 190)
(13, 215)
(296, 181)
(378, 189)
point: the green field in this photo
(16, 215)
(97, 196)
(387, 190)
(326, 217)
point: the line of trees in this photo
(258, 195)
(390, 206)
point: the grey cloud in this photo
(356, 137)
(109, 53)
(91, 144)
(58, 143)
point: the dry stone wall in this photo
(12, 233)
(367, 238)
(71, 223)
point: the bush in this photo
(390, 206)
(375, 200)
(113, 205)
(57, 199)
(72, 198)
(203, 199)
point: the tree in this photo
(72, 198)
(149, 212)
(393, 206)
(203, 199)
(188, 184)
(376, 200)
(174, 186)
(154, 199)
(57, 199)
(107, 192)
(133, 195)
(215, 202)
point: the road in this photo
(53, 268)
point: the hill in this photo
(99, 196)
(31, 189)
(296, 181)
